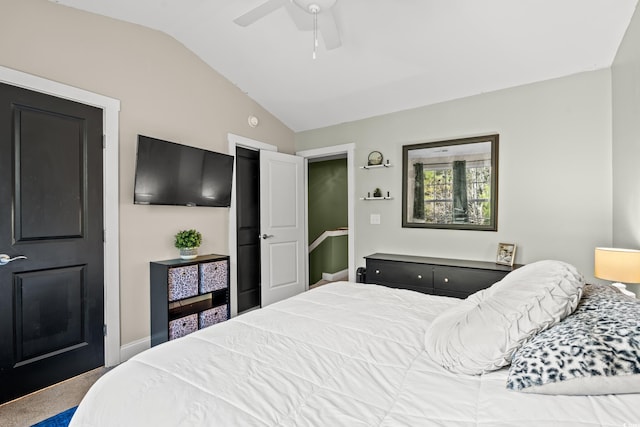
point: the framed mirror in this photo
(451, 184)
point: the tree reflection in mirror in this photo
(451, 184)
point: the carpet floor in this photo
(39, 406)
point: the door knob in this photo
(6, 259)
(264, 236)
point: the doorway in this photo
(240, 141)
(236, 141)
(247, 201)
(110, 110)
(335, 152)
(51, 278)
(327, 219)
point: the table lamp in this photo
(618, 265)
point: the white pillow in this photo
(482, 333)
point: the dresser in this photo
(187, 295)
(436, 276)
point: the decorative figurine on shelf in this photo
(188, 242)
(377, 193)
(375, 158)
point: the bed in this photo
(350, 354)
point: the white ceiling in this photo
(395, 54)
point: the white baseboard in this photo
(339, 275)
(127, 351)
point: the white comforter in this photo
(344, 354)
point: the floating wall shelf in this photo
(376, 198)
(384, 165)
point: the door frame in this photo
(238, 141)
(110, 110)
(349, 150)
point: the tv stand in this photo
(187, 295)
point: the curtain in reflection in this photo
(418, 192)
(460, 212)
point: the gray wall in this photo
(626, 141)
(554, 181)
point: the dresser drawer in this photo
(183, 282)
(213, 276)
(439, 276)
(183, 326)
(462, 282)
(212, 316)
(413, 276)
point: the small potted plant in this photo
(188, 242)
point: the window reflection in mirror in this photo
(451, 184)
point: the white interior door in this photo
(282, 214)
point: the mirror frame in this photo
(493, 223)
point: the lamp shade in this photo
(618, 265)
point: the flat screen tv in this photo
(174, 174)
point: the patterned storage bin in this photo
(183, 282)
(213, 276)
(183, 326)
(213, 315)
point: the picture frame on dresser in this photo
(506, 253)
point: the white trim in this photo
(349, 149)
(129, 350)
(334, 277)
(238, 141)
(241, 141)
(327, 234)
(110, 108)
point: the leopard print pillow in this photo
(595, 350)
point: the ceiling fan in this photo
(308, 15)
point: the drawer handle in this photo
(446, 280)
(377, 271)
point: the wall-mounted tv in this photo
(174, 174)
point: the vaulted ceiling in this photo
(394, 54)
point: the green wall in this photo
(330, 257)
(327, 196)
(327, 211)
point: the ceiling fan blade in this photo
(259, 12)
(329, 30)
(302, 19)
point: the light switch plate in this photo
(374, 219)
